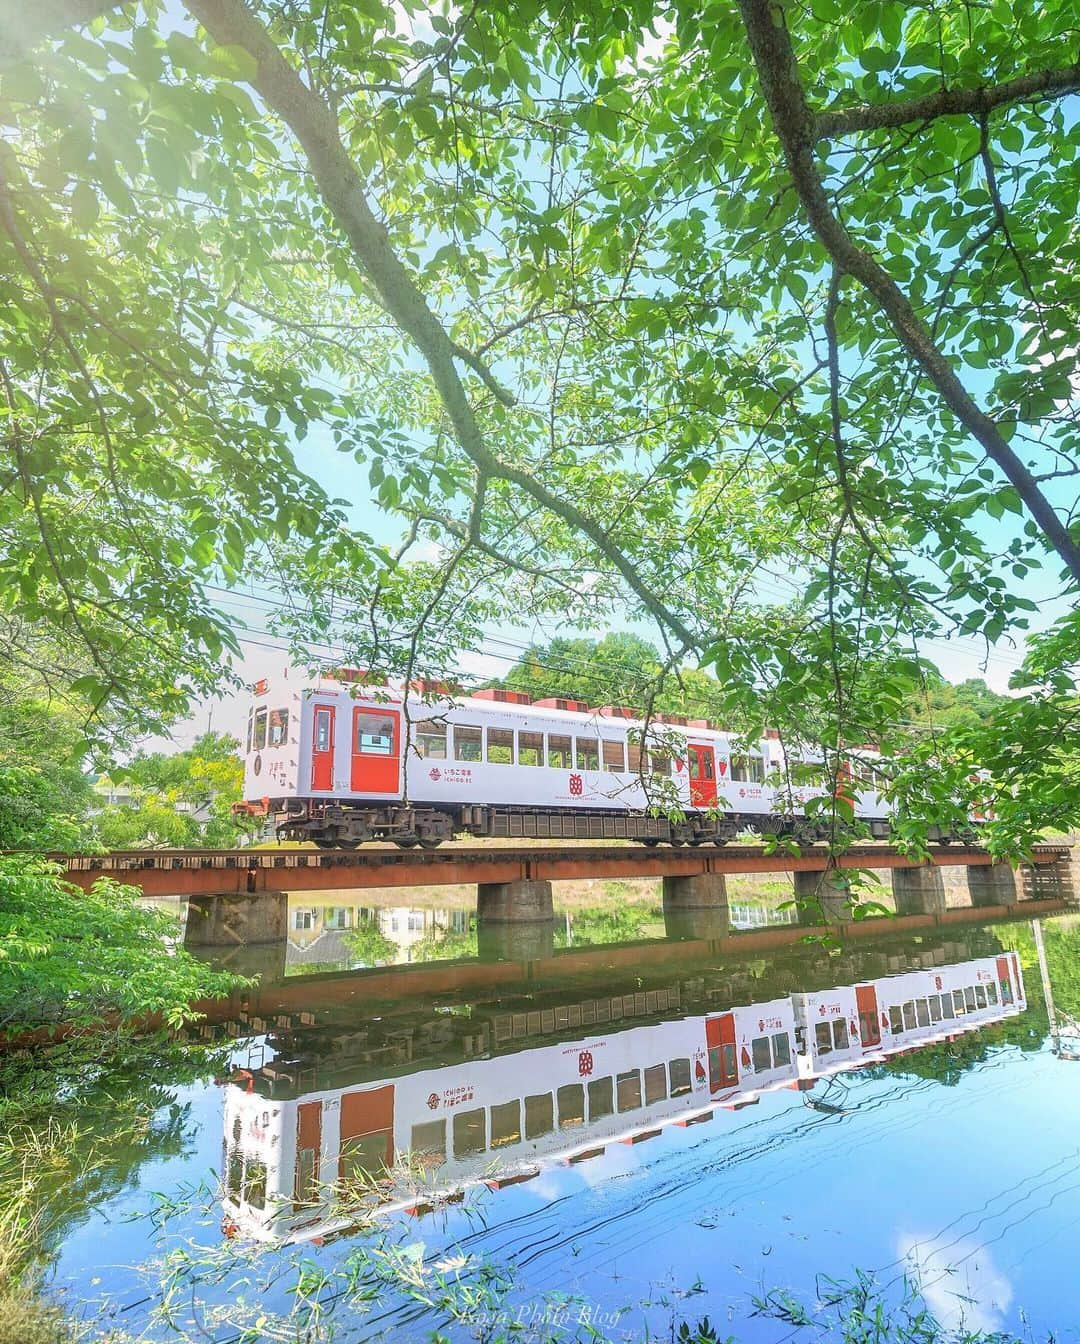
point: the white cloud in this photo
(959, 1282)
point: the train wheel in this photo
(406, 841)
(430, 841)
(650, 840)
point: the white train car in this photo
(837, 1028)
(495, 1119)
(340, 763)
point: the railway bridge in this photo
(240, 897)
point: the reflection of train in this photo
(496, 1116)
(340, 764)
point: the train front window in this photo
(500, 746)
(278, 733)
(559, 755)
(374, 734)
(530, 748)
(259, 739)
(614, 757)
(588, 753)
(468, 742)
(430, 737)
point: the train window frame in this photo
(570, 1105)
(601, 1098)
(418, 1144)
(277, 728)
(781, 1049)
(548, 1125)
(613, 755)
(381, 744)
(323, 718)
(823, 1038)
(747, 768)
(587, 753)
(559, 751)
(504, 743)
(761, 1054)
(501, 1134)
(530, 747)
(922, 1012)
(681, 1085)
(654, 1084)
(463, 737)
(259, 736)
(841, 1035)
(630, 1080)
(477, 1119)
(431, 739)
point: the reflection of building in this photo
(318, 932)
(419, 1112)
(406, 927)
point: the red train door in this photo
(308, 1148)
(322, 747)
(702, 761)
(376, 750)
(869, 1026)
(723, 1062)
(367, 1132)
(1004, 981)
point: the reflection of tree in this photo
(446, 944)
(369, 945)
(1062, 940)
(598, 925)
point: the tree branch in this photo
(795, 127)
(978, 102)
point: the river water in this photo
(608, 1153)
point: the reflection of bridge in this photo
(240, 896)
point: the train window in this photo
(991, 995)
(470, 1132)
(1006, 993)
(530, 748)
(761, 1054)
(679, 1077)
(322, 729)
(628, 1090)
(374, 733)
(633, 757)
(946, 1005)
(539, 1115)
(588, 753)
(655, 1084)
(255, 1184)
(251, 717)
(278, 728)
(958, 1002)
(748, 769)
(505, 1123)
(259, 740)
(840, 1033)
(823, 1038)
(935, 1008)
(601, 1100)
(500, 746)
(559, 752)
(660, 763)
(234, 1174)
(781, 1049)
(429, 1140)
(909, 1015)
(430, 738)
(363, 1155)
(614, 756)
(467, 742)
(896, 1021)
(571, 1105)
(980, 997)
(969, 998)
(922, 1013)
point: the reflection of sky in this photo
(973, 1190)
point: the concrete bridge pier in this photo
(233, 920)
(515, 921)
(992, 884)
(696, 907)
(918, 891)
(821, 899)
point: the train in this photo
(338, 762)
(400, 1136)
